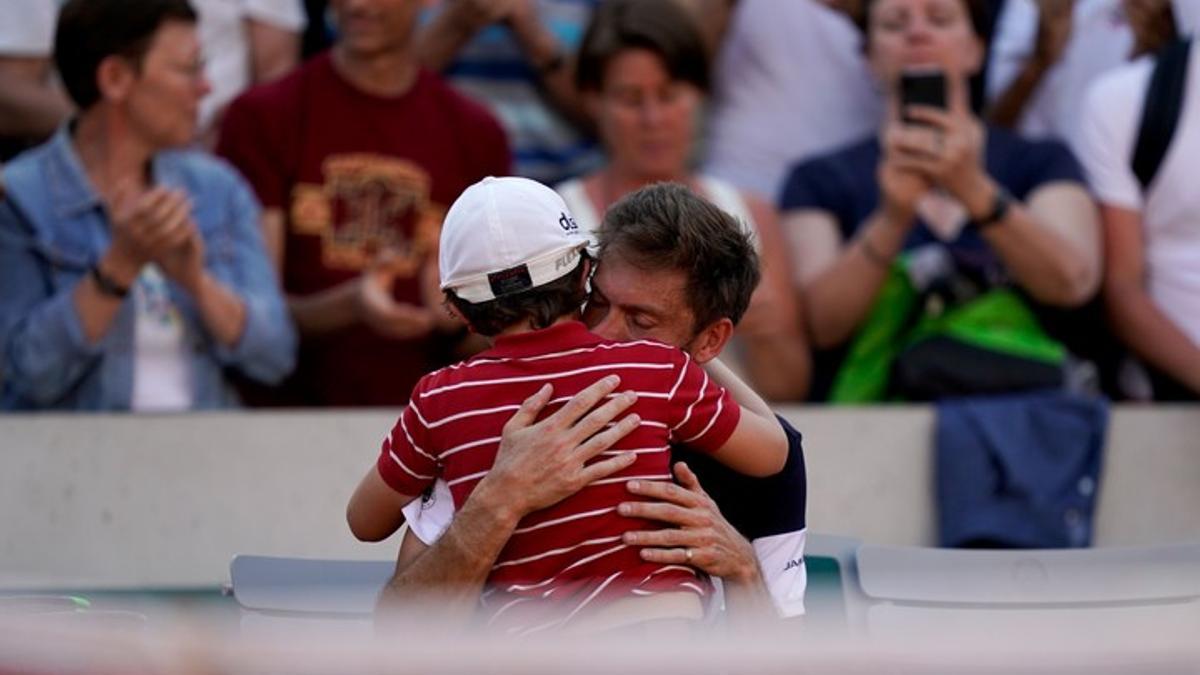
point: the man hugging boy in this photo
(515, 267)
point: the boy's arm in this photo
(739, 390)
(757, 447)
(402, 471)
(374, 512)
(746, 438)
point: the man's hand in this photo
(700, 536)
(540, 464)
(1054, 30)
(379, 309)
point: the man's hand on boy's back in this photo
(541, 463)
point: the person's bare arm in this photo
(274, 51)
(439, 42)
(555, 67)
(537, 465)
(1052, 247)
(741, 392)
(712, 19)
(366, 299)
(839, 281)
(1053, 34)
(697, 526)
(757, 447)
(777, 359)
(273, 224)
(144, 227)
(1134, 317)
(375, 510)
(31, 104)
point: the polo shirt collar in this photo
(544, 341)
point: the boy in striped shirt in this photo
(514, 266)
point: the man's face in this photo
(629, 303)
(372, 26)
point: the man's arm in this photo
(438, 43)
(274, 50)
(537, 465)
(1053, 34)
(1134, 316)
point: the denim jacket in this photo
(54, 227)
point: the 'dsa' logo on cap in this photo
(567, 223)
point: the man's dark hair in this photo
(668, 227)
(90, 31)
(541, 306)
(660, 26)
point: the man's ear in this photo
(114, 78)
(711, 339)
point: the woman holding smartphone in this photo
(974, 199)
(642, 71)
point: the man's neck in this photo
(111, 154)
(527, 326)
(386, 74)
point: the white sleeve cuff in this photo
(781, 558)
(429, 518)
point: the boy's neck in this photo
(527, 327)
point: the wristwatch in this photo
(1001, 203)
(106, 284)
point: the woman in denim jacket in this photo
(132, 273)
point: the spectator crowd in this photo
(216, 203)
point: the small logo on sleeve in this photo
(794, 564)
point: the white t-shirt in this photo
(162, 376)
(226, 43)
(27, 27)
(791, 83)
(1170, 208)
(1100, 41)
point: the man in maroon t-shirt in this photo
(355, 156)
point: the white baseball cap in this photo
(504, 236)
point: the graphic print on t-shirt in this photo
(368, 204)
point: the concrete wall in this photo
(96, 501)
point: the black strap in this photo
(1161, 110)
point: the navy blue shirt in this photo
(756, 507)
(843, 183)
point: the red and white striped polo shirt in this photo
(569, 555)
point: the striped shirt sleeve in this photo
(406, 463)
(703, 413)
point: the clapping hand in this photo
(380, 310)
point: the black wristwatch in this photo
(107, 285)
(995, 215)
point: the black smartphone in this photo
(922, 87)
